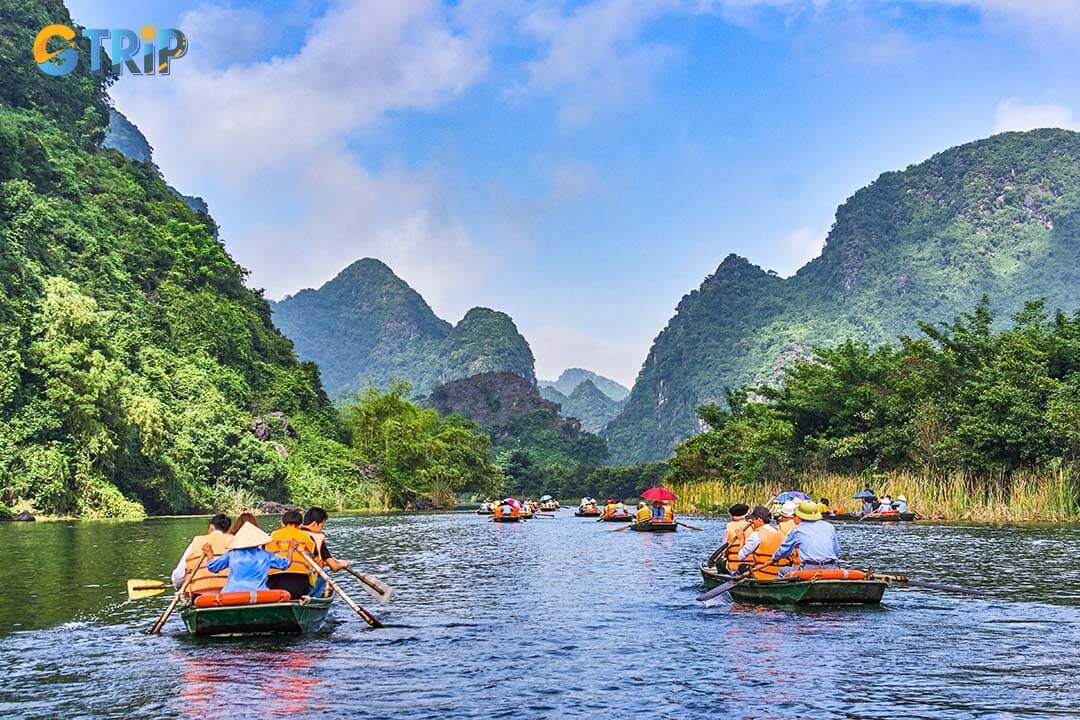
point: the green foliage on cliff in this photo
(571, 378)
(132, 357)
(999, 216)
(586, 403)
(368, 327)
(963, 398)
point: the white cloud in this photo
(1056, 15)
(1013, 114)
(267, 144)
(799, 247)
(225, 35)
(558, 347)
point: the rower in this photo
(609, 507)
(218, 537)
(813, 538)
(758, 547)
(621, 509)
(787, 517)
(296, 577)
(885, 506)
(658, 511)
(901, 504)
(644, 514)
(669, 513)
(314, 524)
(247, 560)
(737, 523)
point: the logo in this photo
(147, 52)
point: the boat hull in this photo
(618, 518)
(269, 618)
(509, 518)
(851, 517)
(579, 513)
(799, 592)
(650, 526)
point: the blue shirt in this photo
(901, 506)
(816, 540)
(248, 568)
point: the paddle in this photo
(710, 598)
(680, 522)
(367, 617)
(138, 589)
(717, 554)
(176, 598)
(928, 585)
(374, 586)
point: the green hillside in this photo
(999, 216)
(368, 327)
(570, 378)
(138, 372)
(586, 403)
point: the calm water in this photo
(553, 618)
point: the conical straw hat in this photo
(248, 536)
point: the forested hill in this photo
(135, 366)
(367, 326)
(1000, 216)
(571, 378)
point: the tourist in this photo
(823, 505)
(814, 539)
(786, 521)
(248, 562)
(244, 517)
(732, 539)
(885, 505)
(621, 509)
(217, 538)
(314, 524)
(609, 507)
(901, 504)
(296, 577)
(868, 505)
(669, 513)
(759, 545)
(644, 514)
(658, 511)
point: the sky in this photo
(578, 165)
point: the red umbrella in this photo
(658, 493)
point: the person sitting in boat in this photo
(644, 514)
(296, 578)
(787, 517)
(885, 506)
(505, 509)
(658, 511)
(242, 519)
(314, 524)
(813, 538)
(620, 509)
(823, 505)
(901, 504)
(759, 541)
(247, 560)
(609, 507)
(669, 513)
(868, 505)
(737, 523)
(217, 537)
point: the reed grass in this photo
(1049, 496)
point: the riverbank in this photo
(1025, 497)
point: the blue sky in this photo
(580, 166)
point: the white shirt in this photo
(180, 570)
(752, 542)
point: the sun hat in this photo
(808, 511)
(249, 536)
(901, 498)
(788, 509)
(738, 510)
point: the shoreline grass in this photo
(1049, 496)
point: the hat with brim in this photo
(808, 511)
(788, 509)
(249, 536)
(901, 498)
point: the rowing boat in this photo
(592, 512)
(852, 517)
(617, 518)
(798, 592)
(482, 511)
(654, 526)
(509, 518)
(550, 508)
(306, 615)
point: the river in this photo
(551, 618)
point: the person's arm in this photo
(751, 545)
(219, 563)
(788, 545)
(332, 562)
(835, 545)
(180, 570)
(281, 562)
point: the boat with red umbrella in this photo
(666, 523)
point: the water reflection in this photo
(281, 681)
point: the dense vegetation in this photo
(586, 403)
(368, 327)
(998, 216)
(963, 399)
(537, 450)
(570, 378)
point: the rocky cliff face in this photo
(1000, 217)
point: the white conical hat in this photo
(249, 536)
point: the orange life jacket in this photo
(320, 540)
(769, 539)
(279, 545)
(644, 515)
(206, 581)
(734, 544)
(786, 526)
(669, 514)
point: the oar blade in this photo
(944, 587)
(137, 589)
(374, 586)
(716, 592)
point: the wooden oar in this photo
(176, 598)
(710, 598)
(928, 585)
(374, 586)
(138, 589)
(717, 554)
(368, 617)
(680, 522)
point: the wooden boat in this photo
(509, 518)
(552, 507)
(654, 526)
(798, 592)
(617, 518)
(589, 512)
(526, 515)
(874, 517)
(483, 511)
(298, 616)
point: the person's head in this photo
(291, 518)
(641, 505)
(787, 510)
(760, 516)
(901, 498)
(738, 511)
(824, 501)
(241, 520)
(807, 511)
(315, 518)
(219, 522)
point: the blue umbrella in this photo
(790, 495)
(864, 495)
(545, 498)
